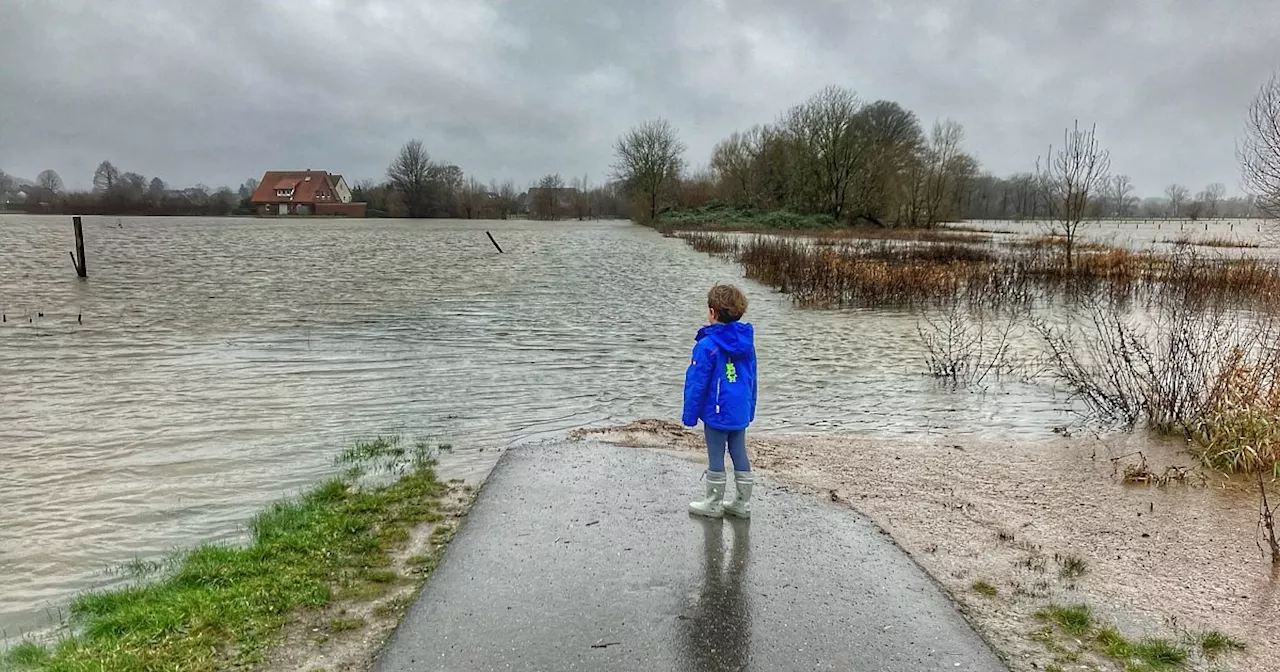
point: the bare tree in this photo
(49, 179)
(410, 174)
(1177, 195)
(247, 188)
(1259, 151)
(1211, 197)
(505, 201)
(1072, 178)
(134, 185)
(472, 198)
(824, 131)
(893, 140)
(545, 199)
(1195, 208)
(945, 167)
(1119, 190)
(733, 160)
(648, 160)
(581, 198)
(6, 185)
(105, 177)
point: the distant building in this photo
(549, 202)
(304, 192)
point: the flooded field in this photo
(209, 366)
(1225, 237)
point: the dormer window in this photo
(284, 193)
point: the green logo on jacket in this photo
(730, 372)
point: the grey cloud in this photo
(218, 92)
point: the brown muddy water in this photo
(210, 366)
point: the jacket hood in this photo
(735, 338)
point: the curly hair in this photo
(728, 303)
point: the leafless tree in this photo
(824, 131)
(946, 166)
(1259, 151)
(1072, 178)
(1177, 195)
(1120, 188)
(105, 177)
(248, 187)
(1211, 197)
(733, 162)
(648, 160)
(545, 198)
(581, 198)
(133, 186)
(893, 140)
(505, 201)
(411, 174)
(472, 198)
(6, 185)
(49, 179)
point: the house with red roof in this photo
(304, 192)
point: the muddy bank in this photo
(1168, 561)
(347, 634)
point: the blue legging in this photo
(717, 440)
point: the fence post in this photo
(77, 257)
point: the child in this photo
(720, 390)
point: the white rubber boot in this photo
(712, 506)
(740, 506)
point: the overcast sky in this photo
(217, 92)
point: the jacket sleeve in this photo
(696, 381)
(755, 384)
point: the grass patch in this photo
(985, 589)
(1114, 645)
(223, 606)
(1212, 242)
(1160, 654)
(1148, 655)
(1214, 643)
(1076, 619)
(26, 655)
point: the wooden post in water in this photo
(77, 257)
(495, 243)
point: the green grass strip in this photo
(224, 606)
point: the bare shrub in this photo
(1161, 371)
(965, 346)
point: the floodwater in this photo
(1208, 237)
(210, 366)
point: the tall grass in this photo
(871, 273)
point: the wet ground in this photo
(1166, 561)
(582, 557)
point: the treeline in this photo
(418, 186)
(415, 186)
(122, 193)
(1020, 196)
(841, 159)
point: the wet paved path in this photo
(581, 557)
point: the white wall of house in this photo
(340, 188)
